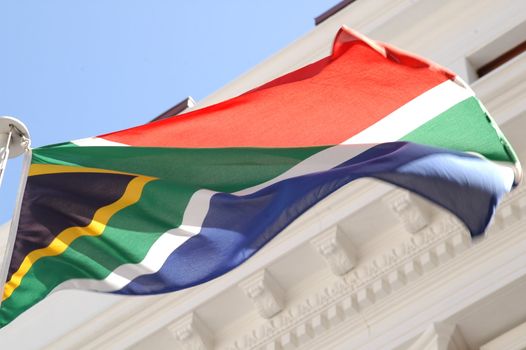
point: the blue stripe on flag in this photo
(237, 226)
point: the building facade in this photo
(370, 267)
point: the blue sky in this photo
(74, 69)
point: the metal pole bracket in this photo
(19, 137)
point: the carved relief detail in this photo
(409, 208)
(336, 249)
(265, 292)
(191, 333)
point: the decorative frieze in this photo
(412, 270)
(191, 333)
(380, 288)
(460, 242)
(361, 288)
(319, 324)
(365, 298)
(334, 314)
(349, 306)
(428, 261)
(336, 249)
(444, 251)
(396, 279)
(288, 341)
(370, 281)
(265, 292)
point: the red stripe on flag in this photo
(324, 103)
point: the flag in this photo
(174, 203)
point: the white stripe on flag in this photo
(96, 141)
(391, 128)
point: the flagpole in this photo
(5, 153)
(15, 136)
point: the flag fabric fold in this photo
(172, 204)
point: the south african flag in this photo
(175, 203)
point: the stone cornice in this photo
(362, 287)
(344, 300)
